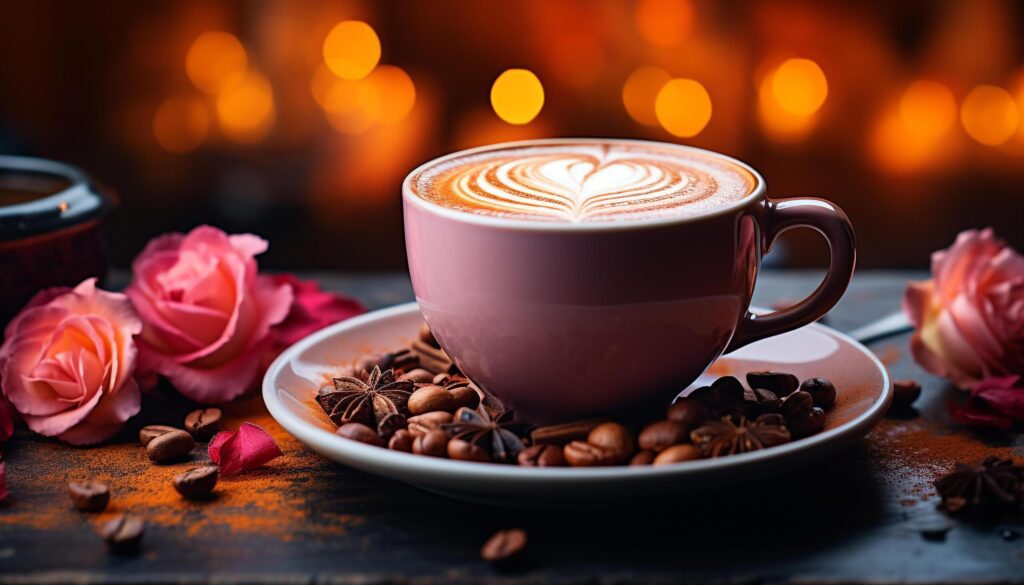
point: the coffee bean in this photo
(390, 424)
(403, 358)
(203, 423)
(147, 434)
(432, 444)
(418, 376)
(905, 393)
(169, 446)
(504, 547)
(615, 438)
(662, 434)
(542, 456)
(729, 390)
(565, 433)
(690, 411)
(677, 454)
(401, 441)
(123, 533)
(781, 383)
(466, 451)
(442, 379)
(796, 405)
(431, 399)
(821, 390)
(705, 395)
(419, 425)
(643, 458)
(427, 337)
(583, 454)
(759, 401)
(198, 483)
(89, 496)
(465, 397)
(359, 432)
(809, 424)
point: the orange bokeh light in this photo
(246, 111)
(799, 86)
(352, 106)
(517, 96)
(665, 23)
(640, 92)
(927, 109)
(396, 91)
(181, 124)
(683, 107)
(215, 61)
(352, 49)
(989, 115)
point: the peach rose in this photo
(68, 360)
(969, 317)
(206, 312)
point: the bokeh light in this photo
(683, 107)
(181, 124)
(396, 92)
(640, 92)
(665, 23)
(927, 109)
(351, 49)
(215, 61)
(778, 123)
(989, 115)
(321, 84)
(896, 148)
(799, 86)
(517, 96)
(246, 111)
(352, 106)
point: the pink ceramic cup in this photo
(568, 320)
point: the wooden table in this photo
(856, 518)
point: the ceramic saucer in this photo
(291, 382)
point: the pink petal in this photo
(6, 419)
(1003, 394)
(243, 450)
(977, 413)
(312, 309)
(3, 482)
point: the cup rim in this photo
(408, 197)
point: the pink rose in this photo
(970, 316)
(312, 310)
(206, 312)
(68, 360)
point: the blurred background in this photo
(299, 120)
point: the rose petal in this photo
(1003, 394)
(312, 309)
(243, 450)
(6, 419)
(979, 414)
(3, 482)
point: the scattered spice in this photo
(991, 488)
(367, 401)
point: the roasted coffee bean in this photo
(677, 454)
(542, 456)
(780, 383)
(198, 483)
(89, 496)
(465, 397)
(123, 533)
(466, 451)
(583, 454)
(643, 458)
(403, 359)
(170, 446)
(759, 401)
(401, 441)
(905, 393)
(359, 432)
(729, 390)
(565, 433)
(203, 423)
(390, 424)
(421, 424)
(662, 434)
(418, 376)
(616, 438)
(442, 379)
(504, 547)
(431, 399)
(427, 337)
(796, 405)
(147, 434)
(432, 444)
(821, 390)
(705, 395)
(689, 411)
(809, 424)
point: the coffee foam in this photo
(584, 182)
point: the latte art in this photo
(582, 182)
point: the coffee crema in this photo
(585, 181)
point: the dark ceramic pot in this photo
(50, 217)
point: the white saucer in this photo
(291, 382)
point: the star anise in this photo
(501, 437)
(726, 437)
(991, 487)
(369, 401)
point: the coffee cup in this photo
(581, 277)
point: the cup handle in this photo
(831, 222)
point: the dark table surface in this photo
(858, 517)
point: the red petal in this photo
(312, 309)
(1002, 394)
(979, 414)
(3, 483)
(243, 450)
